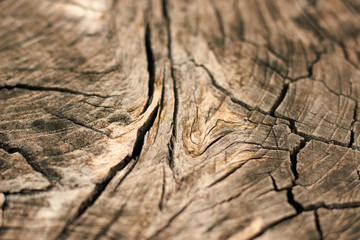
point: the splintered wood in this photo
(164, 119)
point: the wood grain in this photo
(161, 119)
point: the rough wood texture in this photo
(162, 119)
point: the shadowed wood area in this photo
(165, 119)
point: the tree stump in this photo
(164, 119)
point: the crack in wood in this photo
(352, 130)
(291, 200)
(318, 226)
(171, 145)
(29, 192)
(151, 65)
(138, 148)
(280, 99)
(293, 157)
(54, 89)
(273, 182)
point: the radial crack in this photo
(352, 133)
(318, 226)
(279, 100)
(175, 89)
(297, 206)
(293, 157)
(151, 65)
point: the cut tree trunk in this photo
(164, 119)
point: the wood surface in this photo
(166, 119)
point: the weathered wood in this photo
(160, 119)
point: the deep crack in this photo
(318, 226)
(171, 144)
(294, 158)
(53, 89)
(297, 206)
(151, 65)
(279, 100)
(352, 132)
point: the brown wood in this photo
(161, 119)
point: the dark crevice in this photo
(318, 226)
(175, 89)
(352, 133)
(76, 122)
(297, 206)
(151, 65)
(29, 192)
(294, 158)
(279, 100)
(140, 138)
(274, 183)
(54, 89)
